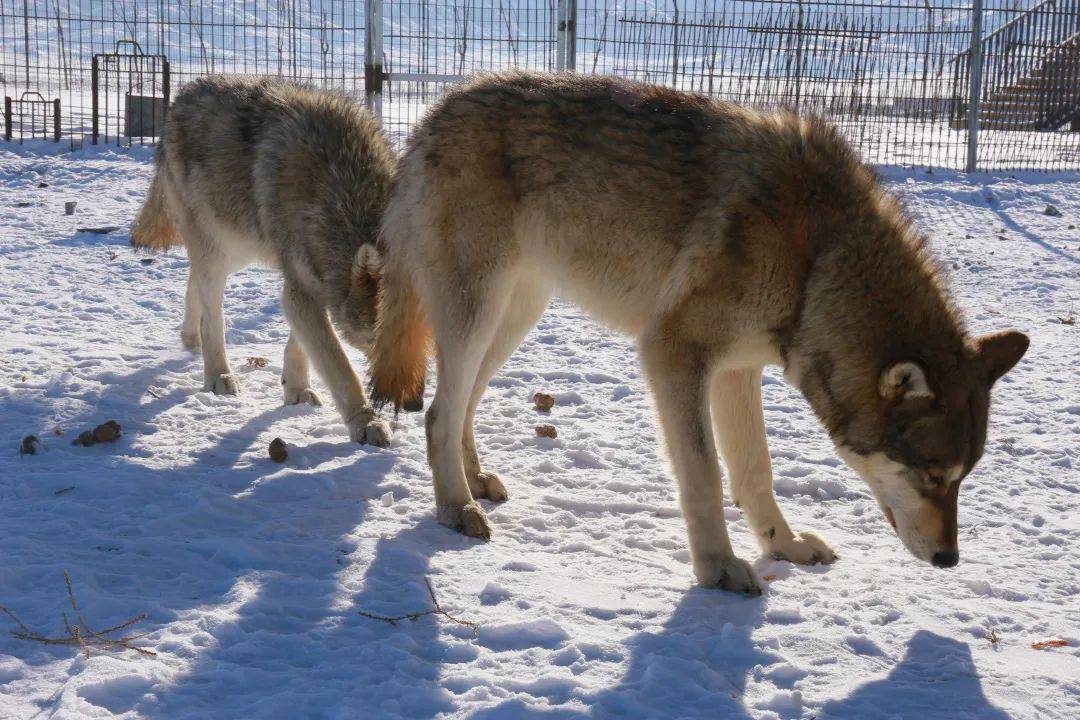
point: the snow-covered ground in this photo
(253, 574)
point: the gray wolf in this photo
(723, 239)
(260, 170)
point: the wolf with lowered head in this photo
(261, 170)
(723, 239)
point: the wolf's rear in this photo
(153, 229)
(402, 344)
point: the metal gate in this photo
(412, 44)
(129, 93)
(32, 104)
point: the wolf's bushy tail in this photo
(153, 229)
(402, 343)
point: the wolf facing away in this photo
(724, 239)
(261, 170)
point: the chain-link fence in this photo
(992, 84)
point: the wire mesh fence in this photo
(49, 46)
(896, 76)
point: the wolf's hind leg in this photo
(529, 301)
(740, 428)
(189, 331)
(295, 379)
(465, 327)
(309, 321)
(678, 374)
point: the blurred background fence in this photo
(934, 83)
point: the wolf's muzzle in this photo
(946, 558)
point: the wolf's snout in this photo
(946, 558)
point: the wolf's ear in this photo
(999, 351)
(904, 381)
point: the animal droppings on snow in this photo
(30, 445)
(1052, 211)
(108, 431)
(547, 431)
(542, 633)
(278, 450)
(543, 402)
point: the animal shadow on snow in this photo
(936, 680)
(300, 638)
(255, 555)
(696, 665)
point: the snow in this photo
(253, 573)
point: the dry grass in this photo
(436, 610)
(80, 634)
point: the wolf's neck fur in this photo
(870, 294)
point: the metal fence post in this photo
(560, 36)
(94, 98)
(373, 57)
(566, 35)
(974, 100)
(571, 35)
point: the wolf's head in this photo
(916, 435)
(877, 346)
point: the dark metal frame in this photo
(10, 113)
(159, 66)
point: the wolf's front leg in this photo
(678, 375)
(308, 319)
(740, 427)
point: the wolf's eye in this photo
(935, 480)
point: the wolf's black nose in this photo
(946, 558)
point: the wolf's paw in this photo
(225, 384)
(803, 548)
(295, 396)
(469, 520)
(378, 433)
(728, 574)
(488, 485)
(191, 339)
